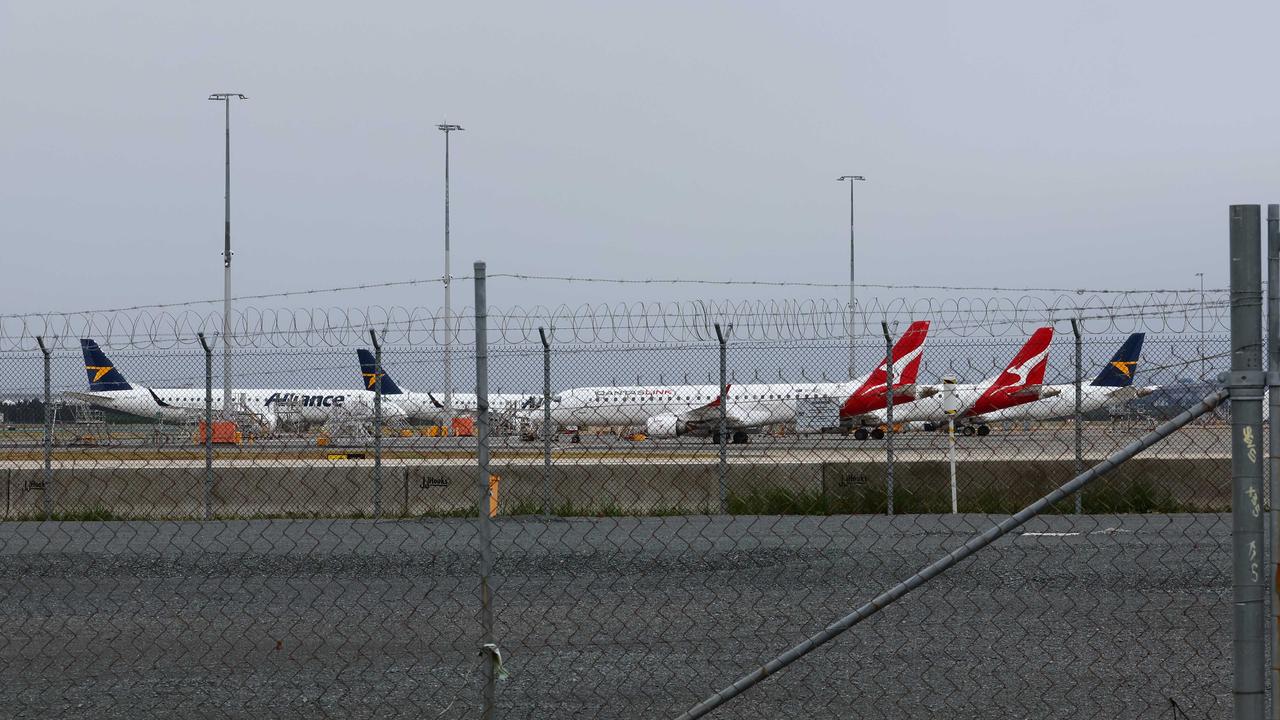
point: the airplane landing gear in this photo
(877, 434)
(740, 438)
(860, 434)
(967, 430)
(983, 431)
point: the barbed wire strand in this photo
(614, 281)
(622, 323)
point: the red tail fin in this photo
(907, 353)
(906, 359)
(1028, 366)
(1026, 369)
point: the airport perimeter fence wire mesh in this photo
(635, 570)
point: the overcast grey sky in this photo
(1007, 143)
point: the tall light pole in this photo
(852, 179)
(1203, 330)
(448, 316)
(225, 99)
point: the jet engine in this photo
(663, 426)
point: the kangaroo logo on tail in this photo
(1015, 385)
(907, 354)
(1028, 366)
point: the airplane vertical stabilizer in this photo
(103, 375)
(369, 369)
(1124, 364)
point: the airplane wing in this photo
(737, 414)
(1129, 392)
(1035, 391)
(911, 390)
(709, 413)
(924, 391)
(90, 398)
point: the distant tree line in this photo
(32, 412)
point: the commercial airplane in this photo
(1021, 382)
(430, 407)
(1113, 385)
(670, 411)
(272, 408)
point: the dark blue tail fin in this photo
(103, 374)
(1124, 364)
(369, 369)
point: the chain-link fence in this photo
(671, 499)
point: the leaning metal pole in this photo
(973, 545)
(1245, 382)
(1273, 386)
(489, 649)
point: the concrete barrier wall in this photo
(639, 487)
(1190, 485)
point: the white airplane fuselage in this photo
(1063, 403)
(310, 406)
(748, 405)
(432, 408)
(929, 409)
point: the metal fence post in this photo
(546, 422)
(489, 648)
(46, 490)
(1075, 330)
(888, 408)
(1273, 460)
(722, 432)
(1246, 381)
(208, 427)
(377, 423)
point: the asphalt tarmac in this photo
(1074, 617)
(1043, 443)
